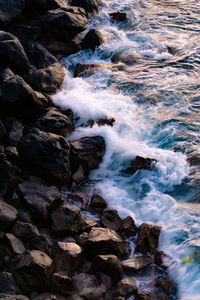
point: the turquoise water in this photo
(155, 100)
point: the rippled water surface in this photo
(155, 99)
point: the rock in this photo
(104, 241)
(118, 17)
(89, 151)
(15, 133)
(79, 199)
(140, 163)
(88, 223)
(8, 284)
(12, 155)
(102, 122)
(162, 296)
(32, 270)
(66, 218)
(148, 238)
(128, 227)
(62, 283)
(90, 68)
(65, 23)
(45, 154)
(79, 176)
(8, 215)
(12, 53)
(105, 279)
(143, 295)
(13, 297)
(163, 283)
(87, 286)
(82, 239)
(85, 266)
(18, 98)
(39, 198)
(34, 7)
(110, 265)
(137, 263)
(54, 4)
(55, 122)
(125, 288)
(13, 244)
(110, 219)
(90, 6)
(98, 203)
(67, 257)
(48, 296)
(9, 10)
(92, 40)
(3, 131)
(63, 48)
(128, 58)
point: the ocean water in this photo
(154, 97)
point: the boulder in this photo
(15, 133)
(88, 151)
(49, 296)
(79, 176)
(80, 199)
(45, 154)
(110, 219)
(12, 53)
(8, 215)
(67, 257)
(128, 227)
(32, 270)
(98, 203)
(55, 122)
(118, 17)
(88, 223)
(92, 40)
(110, 265)
(137, 263)
(140, 163)
(54, 4)
(13, 245)
(148, 238)
(65, 23)
(104, 241)
(88, 287)
(163, 283)
(13, 297)
(89, 69)
(90, 6)
(39, 198)
(8, 284)
(9, 10)
(34, 7)
(62, 283)
(143, 295)
(63, 48)
(125, 288)
(12, 155)
(3, 131)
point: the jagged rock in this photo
(67, 257)
(118, 17)
(45, 154)
(8, 284)
(32, 270)
(13, 245)
(62, 283)
(90, 68)
(39, 198)
(104, 241)
(90, 6)
(98, 203)
(12, 53)
(125, 287)
(8, 215)
(10, 10)
(110, 219)
(148, 237)
(128, 227)
(13, 297)
(55, 122)
(87, 286)
(137, 263)
(65, 23)
(34, 7)
(79, 199)
(110, 265)
(143, 295)
(66, 218)
(92, 40)
(140, 163)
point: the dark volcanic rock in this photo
(39, 198)
(90, 6)
(118, 17)
(12, 53)
(110, 265)
(8, 215)
(136, 263)
(110, 219)
(8, 284)
(45, 154)
(3, 131)
(125, 287)
(148, 238)
(128, 227)
(140, 163)
(98, 203)
(32, 270)
(62, 283)
(10, 10)
(92, 40)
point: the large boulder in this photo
(13, 245)
(110, 265)
(98, 203)
(65, 23)
(93, 39)
(12, 53)
(110, 219)
(10, 10)
(90, 6)
(32, 270)
(8, 215)
(45, 154)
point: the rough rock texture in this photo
(62, 283)
(110, 219)
(89, 69)
(8, 215)
(110, 265)
(13, 245)
(125, 287)
(136, 263)
(98, 203)
(92, 40)
(118, 17)
(128, 227)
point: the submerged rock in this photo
(118, 17)
(89, 68)
(140, 163)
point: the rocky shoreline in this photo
(56, 245)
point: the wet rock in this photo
(54, 4)
(13, 297)
(32, 270)
(45, 154)
(62, 283)
(8, 284)
(79, 176)
(55, 122)
(128, 227)
(89, 151)
(143, 295)
(67, 257)
(137, 263)
(13, 245)
(8, 215)
(148, 238)
(140, 163)
(102, 122)
(89, 68)
(125, 287)
(104, 241)
(92, 40)
(90, 6)
(10, 10)
(66, 218)
(110, 265)
(63, 48)
(127, 57)
(87, 286)
(118, 17)
(110, 219)
(79, 199)
(65, 23)
(39, 198)
(98, 203)
(163, 283)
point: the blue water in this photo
(155, 100)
